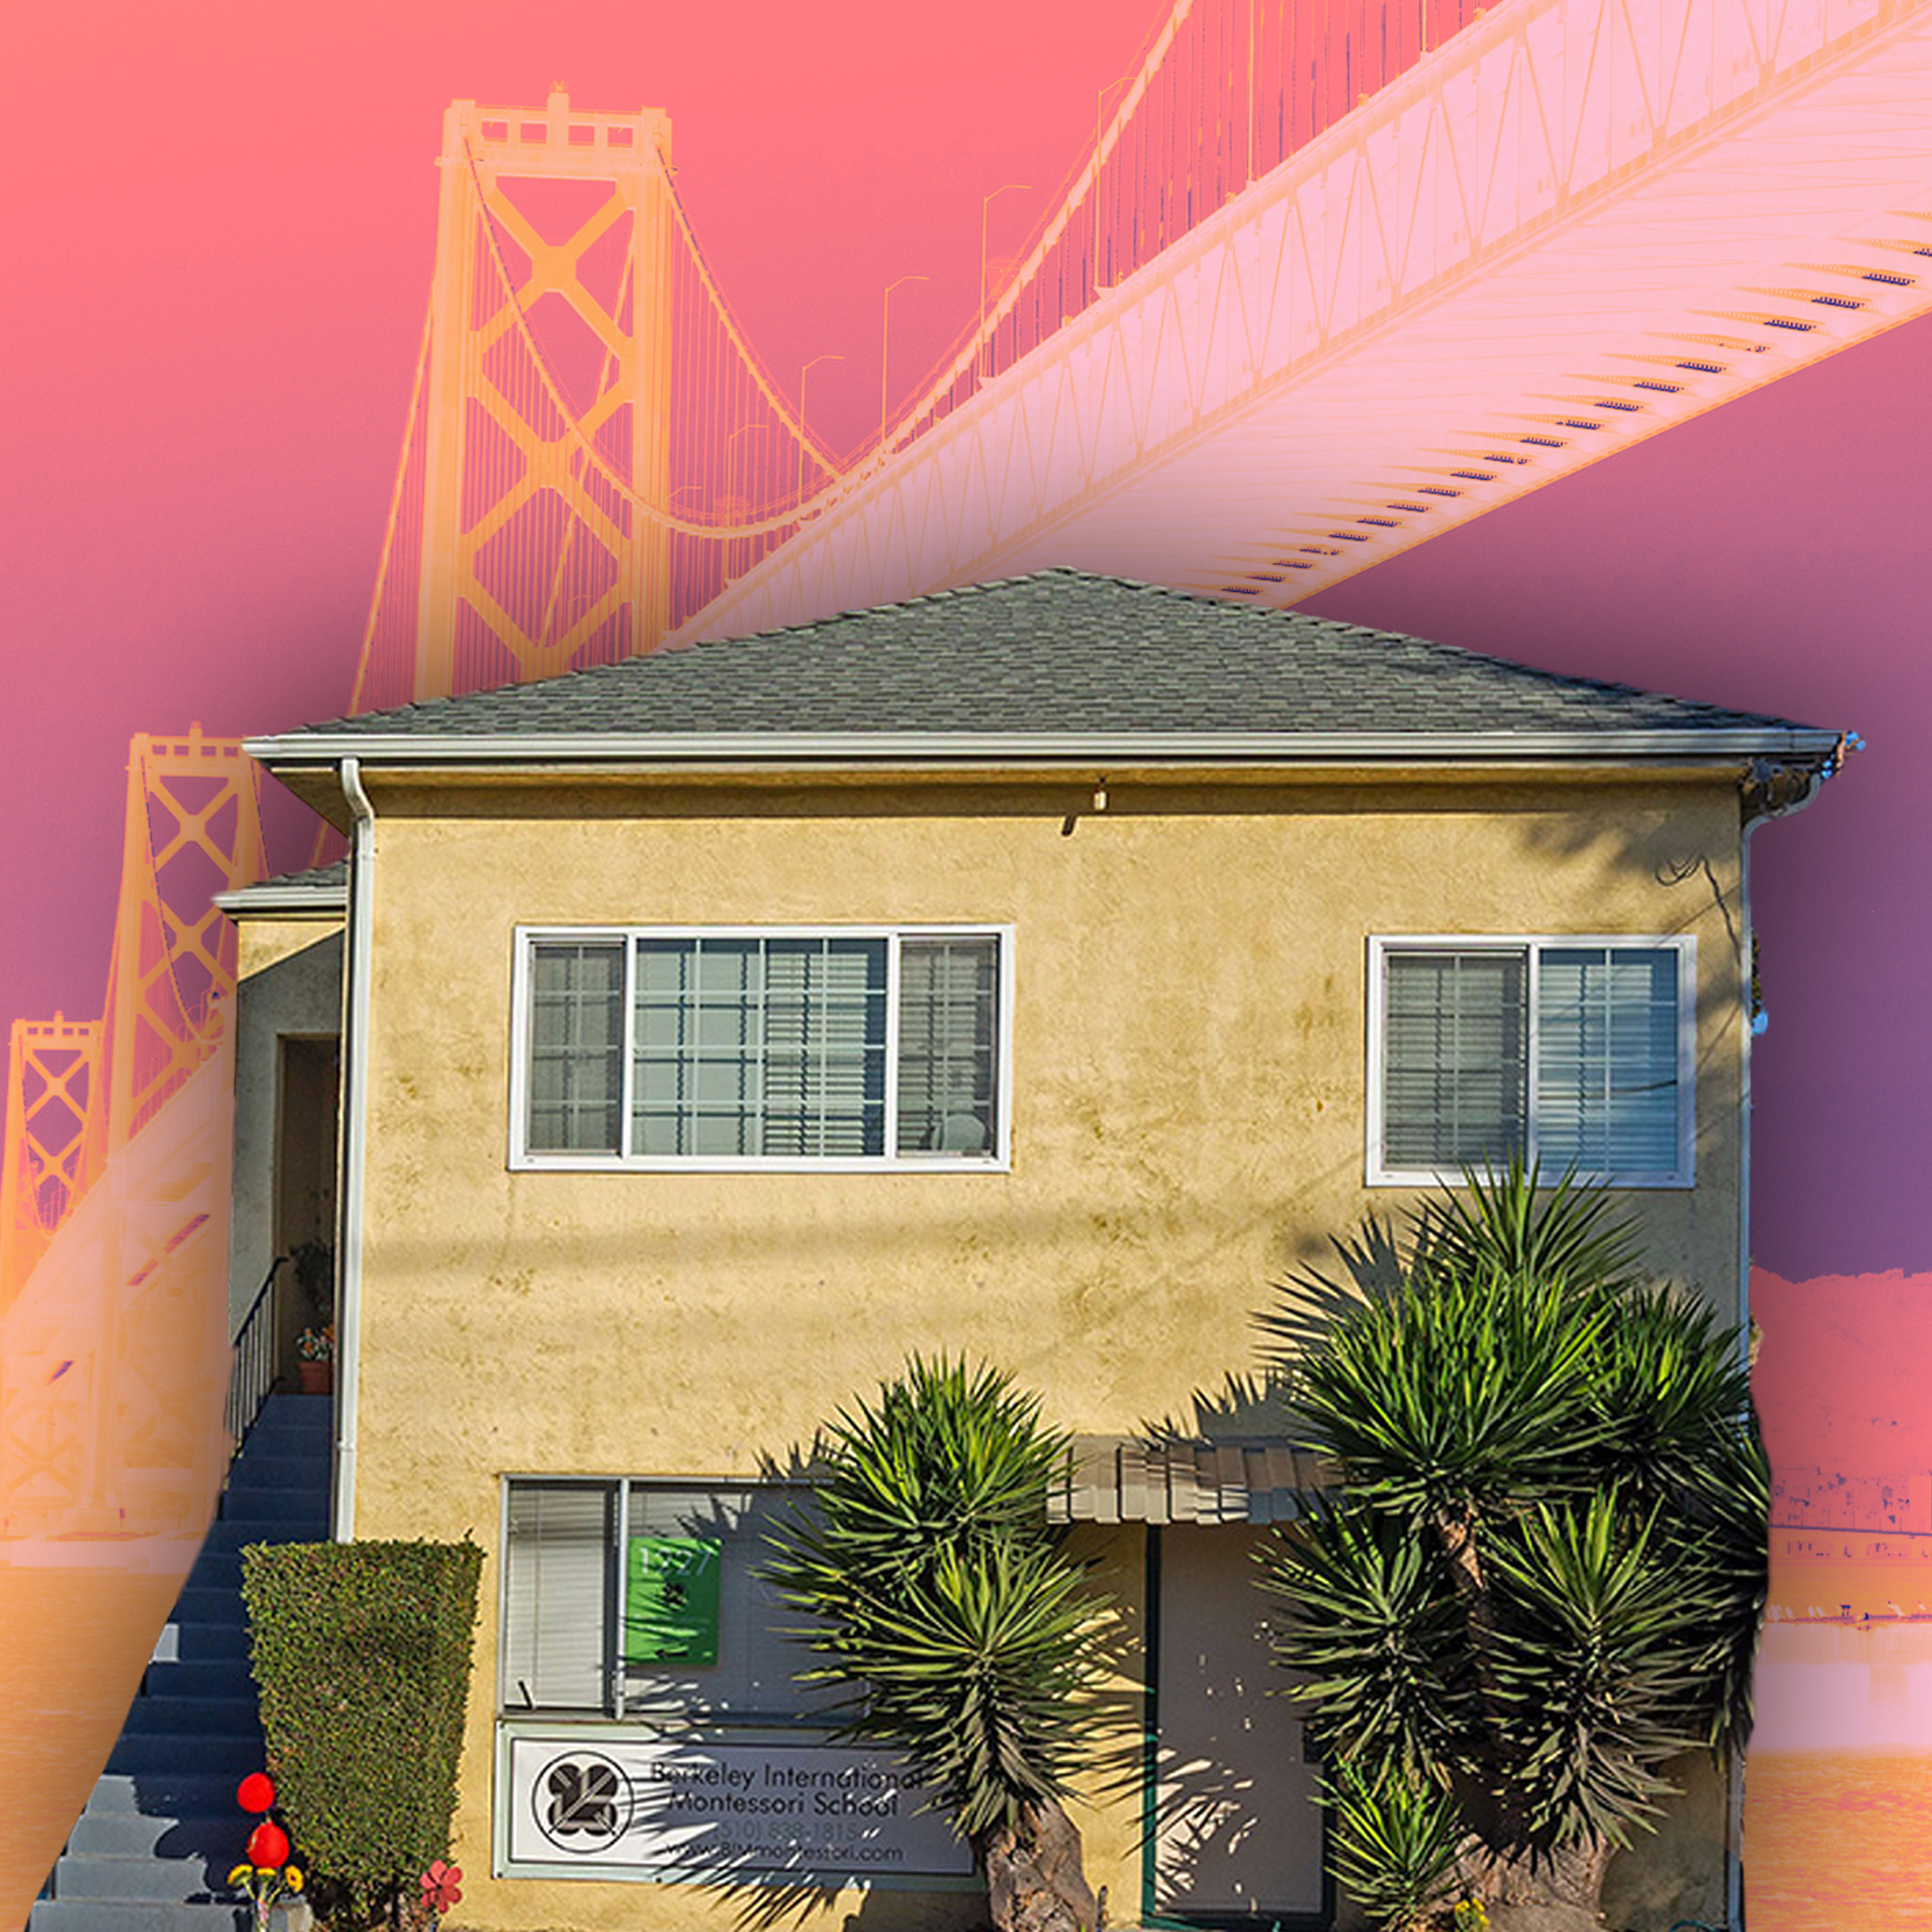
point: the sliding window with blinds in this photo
(558, 1593)
(647, 1597)
(1455, 1046)
(665, 1048)
(1570, 1053)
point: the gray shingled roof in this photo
(1059, 651)
(334, 878)
(309, 891)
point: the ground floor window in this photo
(652, 1726)
(634, 1597)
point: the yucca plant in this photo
(1542, 1573)
(1397, 1840)
(941, 1599)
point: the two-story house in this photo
(1036, 972)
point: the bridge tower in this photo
(548, 403)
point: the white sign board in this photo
(610, 1806)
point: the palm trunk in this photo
(1456, 1533)
(1559, 1881)
(1036, 1881)
(1553, 1892)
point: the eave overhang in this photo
(272, 899)
(307, 761)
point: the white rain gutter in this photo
(1734, 1888)
(320, 902)
(849, 750)
(1747, 942)
(354, 1147)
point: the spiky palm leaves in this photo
(1542, 1576)
(1397, 1841)
(938, 1593)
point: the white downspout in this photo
(1734, 1900)
(354, 1146)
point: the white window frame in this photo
(524, 1159)
(1533, 946)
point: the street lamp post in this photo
(802, 375)
(986, 202)
(885, 344)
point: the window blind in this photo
(948, 1010)
(740, 1046)
(755, 1673)
(760, 1047)
(576, 1044)
(1455, 1042)
(1606, 1059)
(556, 1591)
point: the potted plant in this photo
(315, 1365)
(314, 1263)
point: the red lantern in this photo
(268, 1844)
(256, 1791)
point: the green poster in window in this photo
(670, 1599)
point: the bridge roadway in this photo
(1577, 224)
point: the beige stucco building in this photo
(1037, 973)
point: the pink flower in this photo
(440, 1885)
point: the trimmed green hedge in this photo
(362, 1655)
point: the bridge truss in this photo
(114, 1183)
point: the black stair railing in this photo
(251, 1375)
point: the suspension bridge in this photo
(1328, 283)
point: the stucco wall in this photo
(1188, 1078)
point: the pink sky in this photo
(221, 225)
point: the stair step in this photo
(305, 1509)
(94, 1914)
(313, 1448)
(191, 1716)
(280, 1471)
(224, 1678)
(295, 1415)
(300, 1455)
(134, 1834)
(187, 1639)
(226, 1537)
(229, 1754)
(171, 1793)
(147, 1881)
(215, 1570)
(210, 1607)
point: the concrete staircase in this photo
(161, 1831)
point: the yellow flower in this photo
(265, 1871)
(239, 1875)
(293, 1878)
